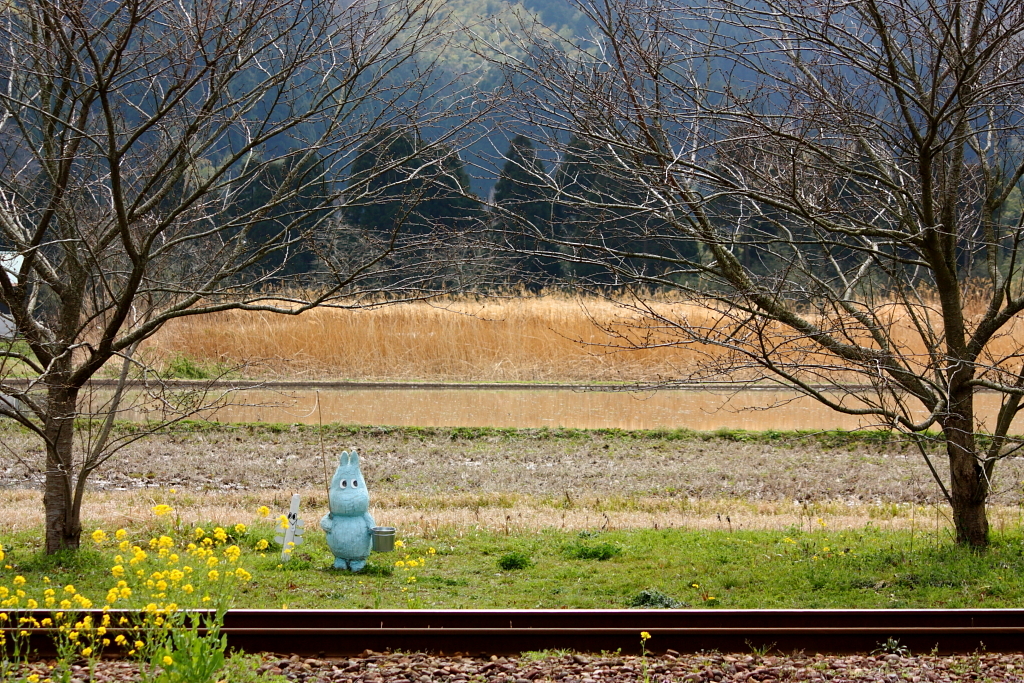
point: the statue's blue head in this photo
(349, 496)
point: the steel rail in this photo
(335, 633)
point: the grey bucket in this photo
(383, 539)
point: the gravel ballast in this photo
(400, 667)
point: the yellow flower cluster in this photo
(162, 576)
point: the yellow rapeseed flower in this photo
(162, 509)
(32, 678)
(99, 537)
(263, 511)
(399, 544)
(644, 635)
(120, 534)
(86, 651)
(262, 544)
(239, 528)
(117, 570)
(213, 575)
(220, 534)
(19, 580)
(167, 660)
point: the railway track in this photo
(333, 633)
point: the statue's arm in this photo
(327, 521)
(368, 518)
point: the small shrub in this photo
(599, 551)
(183, 367)
(514, 560)
(652, 598)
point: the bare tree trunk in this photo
(968, 483)
(63, 517)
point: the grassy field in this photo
(456, 567)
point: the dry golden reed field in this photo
(545, 338)
(515, 339)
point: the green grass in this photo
(868, 568)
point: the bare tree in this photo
(162, 159)
(836, 186)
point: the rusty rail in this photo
(329, 633)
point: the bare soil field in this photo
(525, 478)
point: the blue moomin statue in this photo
(349, 524)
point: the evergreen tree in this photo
(601, 203)
(410, 191)
(297, 197)
(522, 191)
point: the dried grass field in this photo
(516, 480)
(544, 338)
(521, 339)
